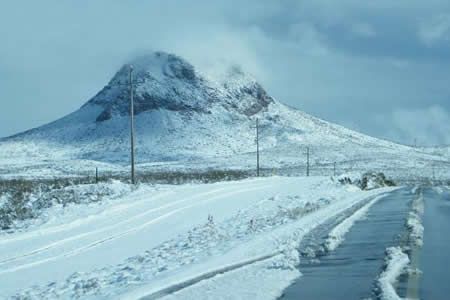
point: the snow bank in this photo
(414, 222)
(396, 263)
(438, 189)
(337, 234)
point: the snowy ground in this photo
(158, 240)
(396, 166)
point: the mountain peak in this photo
(166, 81)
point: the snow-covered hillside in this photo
(438, 150)
(186, 118)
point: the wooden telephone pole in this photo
(257, 147)
(133, 178)
(307, 162)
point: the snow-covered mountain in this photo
(184, 116)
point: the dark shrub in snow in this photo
(366, 181)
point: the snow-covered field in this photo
(223, 240)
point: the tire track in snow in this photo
(62, 228)
(133, 201)
(89, 219)
(79, 250)
(113, 226)
(173, 288)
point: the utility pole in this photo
(257, 147)
(133, 179)
(96, 175)
(307, 161)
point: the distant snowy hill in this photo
(438, 150)
(184, 117)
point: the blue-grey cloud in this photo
(349, 61)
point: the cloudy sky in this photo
(381, 67)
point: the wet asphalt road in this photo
(434, 283)
(350, 271)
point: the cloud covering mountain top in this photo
(348, 62)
